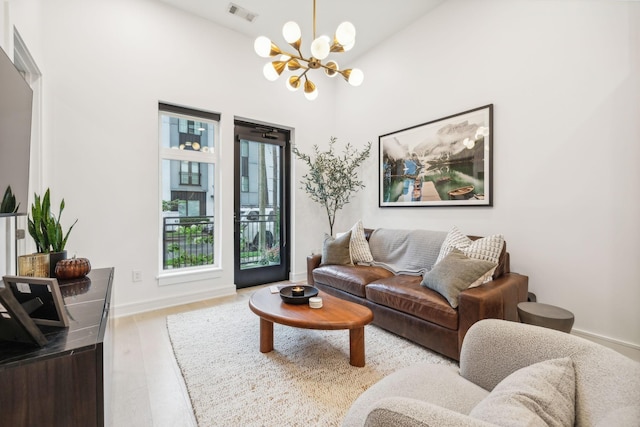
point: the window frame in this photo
(210, 157)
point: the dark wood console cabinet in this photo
(66, 382)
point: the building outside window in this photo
(190, 173)
(244, 166)
(188, 157)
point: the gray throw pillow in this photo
(455, 273)
(336, 251)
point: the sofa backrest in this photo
(367, 233)
(503, 265)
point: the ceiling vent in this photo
(241, 12)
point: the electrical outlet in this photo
(136, 276)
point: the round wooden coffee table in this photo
(334, 314)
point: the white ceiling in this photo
(375, 20)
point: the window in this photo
(188, 188)
(190, 173)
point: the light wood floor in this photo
(147, 386)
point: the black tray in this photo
(309, 291)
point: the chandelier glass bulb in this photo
(272, 70)
(310, 90)
(348, 47)
(354, 76)
(346, 33)
(320, 47)
(262, 46)
(291, 32)
(332, 69)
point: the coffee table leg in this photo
(266, 336)
(356, 347)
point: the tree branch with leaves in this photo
(332, 178)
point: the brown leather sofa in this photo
(400, 305)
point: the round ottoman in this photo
(545, 315)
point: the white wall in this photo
(564, 78)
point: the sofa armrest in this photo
(497, 299)
(405, 412)
(313, 261)
(607, 382)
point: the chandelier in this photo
(343, 40)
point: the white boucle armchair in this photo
(602, 386)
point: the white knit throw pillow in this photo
(360, 251)
(487, 248)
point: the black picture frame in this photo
(444, 162)
(41, 298)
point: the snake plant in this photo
(45, 227)
(8, 204)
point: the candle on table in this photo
(297, 291)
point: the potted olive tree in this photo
(46, 230)
(332, 178)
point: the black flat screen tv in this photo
(16, 98)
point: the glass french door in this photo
(261, 204)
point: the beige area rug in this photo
(305, 381)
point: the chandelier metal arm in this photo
(304, 74)
(299, 56)
(296, 46)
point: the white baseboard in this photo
(298, 277)
(630, 350)
(172, 301)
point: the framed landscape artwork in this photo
(445, 162)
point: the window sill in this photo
(185, 276)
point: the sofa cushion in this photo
(404, 293)
(488, 248)
(349, 278)
(336, 250)
(542, 394)
(455, 273)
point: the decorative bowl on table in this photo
(297, 294)
(73, 268)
